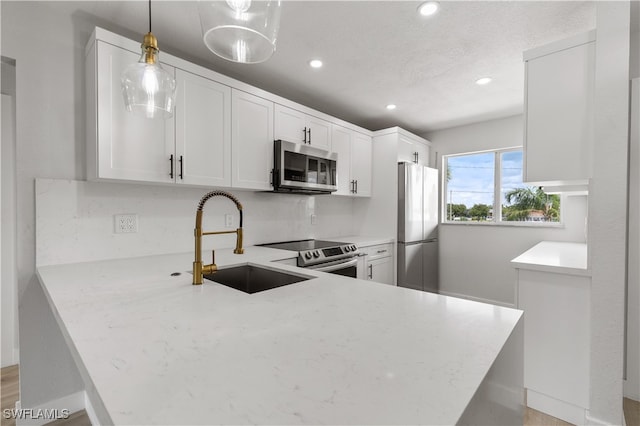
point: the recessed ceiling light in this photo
(315, 63)
(484, 80)
(391, 107)
(428, 8)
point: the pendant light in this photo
(147, 88)
(242, 31)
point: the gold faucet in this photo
(198, 268)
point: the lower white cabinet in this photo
(354, 161)
(252, 134)
(556, 342)
(379, 263)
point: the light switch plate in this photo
(228, 221)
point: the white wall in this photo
(632, 382)
(48, 47)
(74, 219)
(10, 349)
(475, 260)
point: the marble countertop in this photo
(154, 349)
(553, 256)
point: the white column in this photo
(607, 212)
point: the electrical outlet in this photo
(314, 219)
(228, 221)
(126, 223)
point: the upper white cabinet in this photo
(296, 126)
(122, 145)
(559, 112)
(354, 161)
(193, 147)
(221, 134)
(252, 135)
(413, 150)
(203, 131)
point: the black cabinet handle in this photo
(356, 186)
(181, 167)
(309, 131)
(304, 133)
(370, 272)
(171, 165)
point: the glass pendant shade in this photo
(147, 88)
(240, 30)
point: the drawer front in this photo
(378, 251)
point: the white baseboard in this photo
(46, 413)
(477, 299)
(556, 408)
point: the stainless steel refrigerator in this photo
(417, 227)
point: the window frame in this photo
(497, 194)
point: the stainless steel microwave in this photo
(304, 169)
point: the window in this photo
(487, 187)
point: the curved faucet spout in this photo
(198, 268)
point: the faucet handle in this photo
(213, 257)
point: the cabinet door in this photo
(559, 116)
(406, 149)
(130, 147)
(319, 133)
(361, 152)
(252, 136)
(381, 270)
(290, 125)
(341, 142)
(203, 131)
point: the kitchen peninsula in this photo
(154, 349)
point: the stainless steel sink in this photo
(252, 279)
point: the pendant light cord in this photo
(149, 15)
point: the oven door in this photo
(346, 267)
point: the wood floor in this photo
(10, 394)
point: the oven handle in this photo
(334, 266)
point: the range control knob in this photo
(307, 255)
(347, 248)
(316, 254)
(353, 247)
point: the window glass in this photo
(470, 187)
(473, 180)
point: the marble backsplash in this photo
(75, 219)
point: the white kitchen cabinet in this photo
(354, 161)
(296, 126)
(379, 263)
(122, 145)
(559, 112)
(413, 150)
(252, 136)
(203, 131)
(553, 288)
(193, 147)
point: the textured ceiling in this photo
(377, 52)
